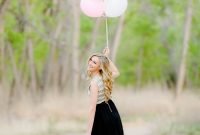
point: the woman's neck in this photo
(95, 74)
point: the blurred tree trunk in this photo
(167, 21)
(30, 52)
(65, 45)
(75, 46)
(94, 35)
(139, 68)
(183, 64)
(50, 70)
(56, 66)
(23, 61)
(15, 86)
(33, 84)
(117, 38)
(3, 6)
(2, 56)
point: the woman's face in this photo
(93, 64)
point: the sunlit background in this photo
(44, 46)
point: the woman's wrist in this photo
(106, 55)
(106, 52)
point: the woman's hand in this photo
(106, 51)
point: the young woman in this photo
(104, 118)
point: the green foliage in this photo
(150, 46)
(144, 52)
(151, 55)
(194, 65)
(86, 29)
(17, 36)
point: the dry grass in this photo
(142, 112)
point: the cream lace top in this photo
(101, 92)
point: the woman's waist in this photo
(104, 102)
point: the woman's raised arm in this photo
(113, 68)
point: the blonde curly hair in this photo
(105, 73)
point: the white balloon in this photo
(115, 8)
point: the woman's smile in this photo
(93, 64)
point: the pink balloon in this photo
(93, 8)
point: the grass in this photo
(180, 129)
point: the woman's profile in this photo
(104, 118)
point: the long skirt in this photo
(107, 120)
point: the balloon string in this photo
(107, 32)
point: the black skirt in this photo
(107, 120)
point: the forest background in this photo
(44, 46)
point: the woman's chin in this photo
(89, 69)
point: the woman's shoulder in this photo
(93, 85)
